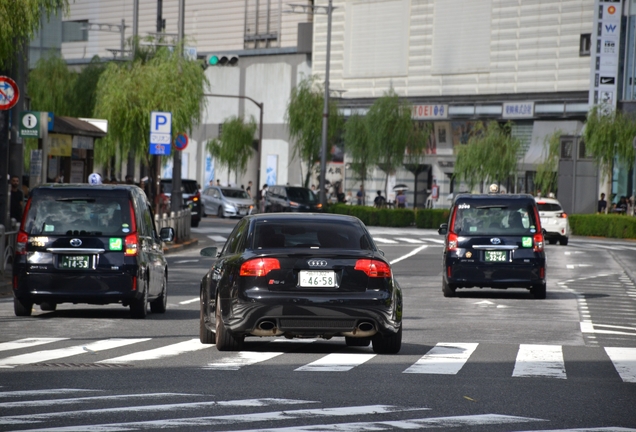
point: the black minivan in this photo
(81, 243)
(496, 241)
(291, 199)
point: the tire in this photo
(357, 342)
(21, 307)
(448, 289)
(225, 341)
(206, 336)
(552, 241)
(387, 344)
(194, 223)
(139, 307)
(563, 241)
(220, 213)
(160, 304)
(48, 307)
(538, 292)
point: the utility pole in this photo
(177, 198)
(156, 189)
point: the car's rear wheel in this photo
(139, 307)
(357, 342)
(552, 241)
(194, 223)
(160, 304)
(448, 289)
(563, 241)
(225, 340)
(539, 291)
(221, 213)
(387, 344)
(48, 307)
(206, 336)
(22, 307)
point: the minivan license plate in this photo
(75, 262)
(317, 278)
(495, 256)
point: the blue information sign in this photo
(160, 149)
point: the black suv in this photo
(191, 197)
(291, 199)
(494, 241)
(82, 243)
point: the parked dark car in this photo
(496, 241)
(291, 199)
(297, 276)
(191, 197)
(82, 243)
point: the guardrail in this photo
(179, 221)
(7, 247)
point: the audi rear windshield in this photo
(480, 217)
(310, 234)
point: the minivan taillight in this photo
(131, 244)
(259, 266)
(373, 268)
(538, 242)
(21, 243)
(452, 242)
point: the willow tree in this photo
(490, 155)
(546, 179)
(51, 86)
(233, 148)
(304, 121)
(358, 146)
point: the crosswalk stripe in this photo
(444, 358)
(336, 363)
(27, 343)
(384, 240)
(539, 361)
(624, 360)
(409, 240)
(87, 399)
(217, 238)
(41, 356)
(438, 241)
(243, 358)
(157, 353)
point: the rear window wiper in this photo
(492, 206)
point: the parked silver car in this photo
(226, 202)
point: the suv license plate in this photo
(320, 279)
(495, 256)
(75, 262)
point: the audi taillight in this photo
(131, 244)
(452, 242)
(21, 243)
(259, 266)
(538, 242)
(374, 268)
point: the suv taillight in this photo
(131, 244)
(196, 197)
(259, 266)
(374, 268)
(538, 242)
(452, 242)
(21, 243)
(562, 215)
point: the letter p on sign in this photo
(161, 122)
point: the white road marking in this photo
(196, 299)
(336, 363)
(438, 241)
(42, 356)
(624, 360)
(409, 240)
(27, 343)
(217, 238)
(77, 400)
(444, 358)
(243, 358)
(157, 353)
(408, 255)
(539, 361)
(384, 240)
(589, 327)
(22, 393)
(186, 261)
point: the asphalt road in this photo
(483, 361)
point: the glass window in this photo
(236, 241)
(306, 233)
(74, 31)
(504, 218)
(548, 207)
(301, 195)
(235, 193)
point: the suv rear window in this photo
(480, 217)
(187, 186)
(549, 207)
(68, 212)
(310, 234)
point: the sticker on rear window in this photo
(526, 242)
(125, 225)
(115, 244)
(472, 228)
(49, 228)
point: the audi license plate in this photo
(320, 279)
(75, 262)
(495, 256)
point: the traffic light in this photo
(222, 59)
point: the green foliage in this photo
(358, 146)
(85, 86)
(431, 218)
(304, 120)
(376, 217)
(490, 155)
(234, 148)
(20, 21)
(602, 225)
(51, 86)
(546, 180)
(608, 136)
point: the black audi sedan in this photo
(81, 243)
(494, 240)
(301, 276)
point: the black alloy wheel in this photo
(139, 307)
(22, 307)
(448, 289)
(538, 291)
(225, 341)
(387, 344)
(206, 336)
(160, 304)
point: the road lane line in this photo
(42, 356)
(408, 255)
(88, 399)
(243, 358)
(438, 241)
(217, 238)
(161, 352)
(544, 361)
(196, 299)
(27, 343)
(338, 362)
(409, 240)
(444, 359)
(624, 360)
(384, 240)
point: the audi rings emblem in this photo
(495, 241)
(76, 242)
(317, 263)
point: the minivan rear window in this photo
(64, 213)
(494, 218)
(301, 194)
(187, 186)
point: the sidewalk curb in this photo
(188, 244)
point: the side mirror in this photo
(443, 229)
(167, 234)
(209, 251)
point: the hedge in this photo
(421, 218)
(602, 225)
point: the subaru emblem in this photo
(495, 241)
(76, 242)
(317, 263)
